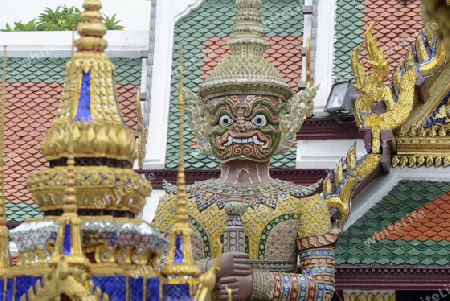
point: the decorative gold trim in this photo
(369, 296)
(101, 187)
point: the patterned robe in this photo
(285, 224)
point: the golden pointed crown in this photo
(90, 90)
(103, 146)
(246, 71)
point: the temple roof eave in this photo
(392, 277)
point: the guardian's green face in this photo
(244, 127)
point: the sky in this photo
(134, 14)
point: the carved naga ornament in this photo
(378, 107)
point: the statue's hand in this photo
(233, 264)
(241, 286)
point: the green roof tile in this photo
(214, 18)
(355, 246)
(348, 30)
(21, 211)
(50, 70)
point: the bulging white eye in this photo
(225, 121)
(259, 120)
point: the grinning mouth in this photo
(254, 139)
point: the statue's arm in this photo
(317, 262)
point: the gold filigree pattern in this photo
(369, 296)
(102, 188)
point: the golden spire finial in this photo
(308, 63)
(91, 28)
(181, 193)
(4, 261)
(180, 261)
(309, 80)
(90, 109)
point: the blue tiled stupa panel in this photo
(114, 286)
(178, 258)
(66, 243)
(152, 289)
(178, 292)
(136, 289)
(9, 289)
(2, 289)
(84, 102)
(23, 284)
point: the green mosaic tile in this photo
(51, 70)
(214, 18)
(348, 30)
(21, 211)
(355, 246)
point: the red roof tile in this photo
(27, 116)
(430, 221)
(284, 53)
(403, 21)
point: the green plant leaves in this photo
(61, 18)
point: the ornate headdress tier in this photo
(246, 71)
(103, 146)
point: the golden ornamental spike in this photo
(327, 189)
(4, 244)
(308, 63)
(180, 261)
(309, 80)
(338, 174)
(142, 138)
(351, 157)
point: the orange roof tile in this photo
(27, 116)
(284, 53)
(431, 221)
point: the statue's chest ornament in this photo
(208, 193)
